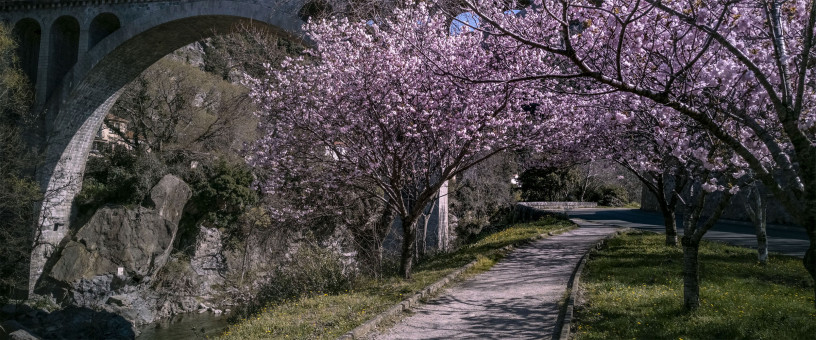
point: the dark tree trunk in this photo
(758, 214)
(810, 258)
(762, 242)
(691, 274)
(808, 221)
(408, 245)
(670, 221)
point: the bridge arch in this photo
(102, 26)
(64, 49)
(93, 85)
(28, 33)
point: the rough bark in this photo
(758, 215)
(408, 245)
(762, 242)
(693, 232)
(810, 258)
(670, 220)
(691, 274)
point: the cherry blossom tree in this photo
(741, 69)
(644, 142)
(384, 107)
(674, 158)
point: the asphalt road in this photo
(788, 240)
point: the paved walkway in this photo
(516, 299)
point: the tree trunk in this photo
(810, 259)
(408, 245)
(762, 241)
(670, 220)
(691, 274)
(758, 214)
(246, 252)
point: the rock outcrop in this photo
(110, 262)
(209, 261)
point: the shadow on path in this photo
(516, 299)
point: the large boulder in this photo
(111, 260)
(136, 240)
(169, 197)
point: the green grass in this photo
(633, 290)
(632, 205)
(329, 316)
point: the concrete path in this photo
(788, 240)
(516, 299)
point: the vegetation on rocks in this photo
(327, 315)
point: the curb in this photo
(564, 321)
(361, 331)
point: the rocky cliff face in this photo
(110, 262)
(209, 261)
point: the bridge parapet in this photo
(16, 5)
(559, 205)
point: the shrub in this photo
(120, 176)
(549, 184)
(483, 195)
(312, 270)
(610, 195)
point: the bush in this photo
(610, 196)
(483, 195)
(312, 270)
(118, 177)
(549, 184)
(177, 276)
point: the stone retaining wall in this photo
(559, 205)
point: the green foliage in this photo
(19, 193)
(221, 195)
(17, 216)
(15, 90)
(482, 195)
(609, 195)
(634, 289)
(312, 270)
(120, 176)
(549, 184)
(591, 182)
(221, 189)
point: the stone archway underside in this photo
(149, 31)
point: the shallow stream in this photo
(185, 326)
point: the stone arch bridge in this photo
(79, 54)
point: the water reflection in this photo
(185, 326)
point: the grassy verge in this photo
(633, 290)
(329, 316)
